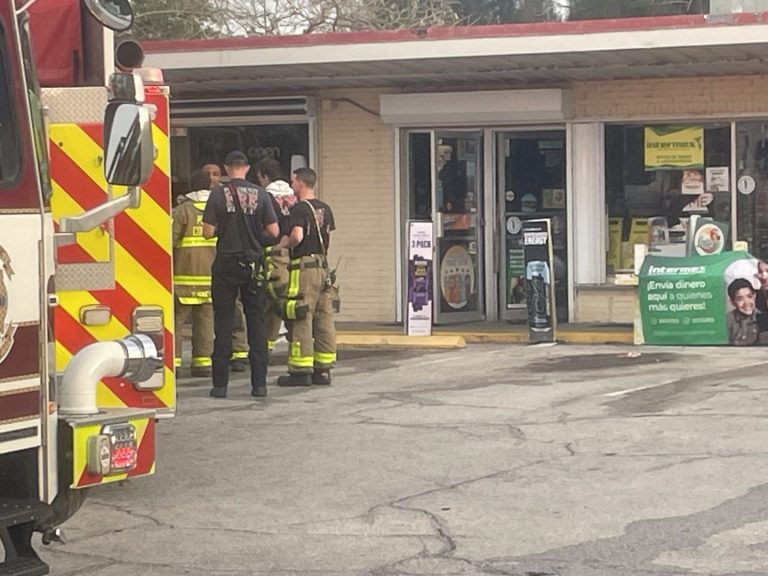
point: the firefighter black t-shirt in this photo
(220, 211)
(301, 215)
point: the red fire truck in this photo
(85, 316)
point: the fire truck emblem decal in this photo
(7, 330)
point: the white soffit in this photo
(458, 48)
(497, 106)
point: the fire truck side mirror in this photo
(116, 15)
(128, 149)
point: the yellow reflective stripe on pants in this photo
(197, 242)
(184, 280)
(239, 355)
(325, 358)
(290, 310)
(297, 361)
(202, 362)
(204, 298)
(293, 279)
(177, 362)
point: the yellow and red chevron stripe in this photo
(138, 242)
(145, 457)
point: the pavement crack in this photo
(127, 511)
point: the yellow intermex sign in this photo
(674, 147)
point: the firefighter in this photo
(312, 351)
(269, 175)
(239, 339)
(192, 259)
(239, 213)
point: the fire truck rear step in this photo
(17, 522)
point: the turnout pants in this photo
(313, 334)
(277, 274)
(231, 276)
(202, 331)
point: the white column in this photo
(587, 223)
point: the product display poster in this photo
(458, 275)
(703, 300)
(670, 147)
(419, 300)
(539, 280)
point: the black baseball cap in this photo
(235, 158)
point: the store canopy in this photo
(483, 57)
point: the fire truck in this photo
(86, 320)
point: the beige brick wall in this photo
(680, 98)
(609, 305)
(356, 151)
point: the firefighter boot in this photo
(295, 380)
(321, 377)
(218, 392)
(259, 392)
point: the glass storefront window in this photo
(657, 177)
(195, 146)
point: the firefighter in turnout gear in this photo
(269, 175)
(312, 350)
(193, 256)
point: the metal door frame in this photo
(499, 225)
(481, 313)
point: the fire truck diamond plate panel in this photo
(75, 105)
(85, 276)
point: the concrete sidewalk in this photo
(352, 334)
(372, 335)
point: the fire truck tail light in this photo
(114, 451)
(95, 315)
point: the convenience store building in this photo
(477, 129)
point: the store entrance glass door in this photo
(531, 185)
(752, 186)
(457, 202)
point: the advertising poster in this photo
(539, 280)
(458, 275)
(704, 300)
(674, 147)
(718, 179)
(419, 302)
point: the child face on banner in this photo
(762, 274)
(744, 301)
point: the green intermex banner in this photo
(685, 300)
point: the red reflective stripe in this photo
(161, 101)
(158, 188)
(127, 233)
(95, 132)
(71, 177)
